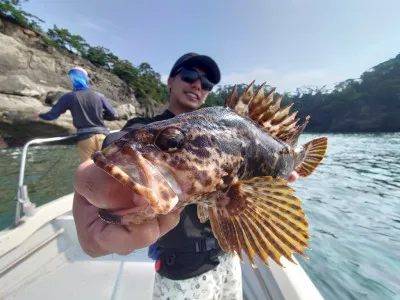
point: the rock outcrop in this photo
(33, 76)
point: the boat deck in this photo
(109, 277)
(42, 259)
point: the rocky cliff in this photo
(33, 76)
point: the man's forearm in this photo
(58, 109)
(51, 115)
(109, 112)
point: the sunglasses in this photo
(191, 75)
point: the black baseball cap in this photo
(204, 62)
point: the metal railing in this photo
(22, 199)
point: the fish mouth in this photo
(156, 185)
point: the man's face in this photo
(188, 96)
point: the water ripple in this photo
(352, 205)
(351, 201)
(48, 175)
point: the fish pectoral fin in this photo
(313, 153)
(260, 216)
(202, 212)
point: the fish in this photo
(233, 162)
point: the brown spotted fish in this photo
(233, 162)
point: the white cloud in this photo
(287, 82)
(94, 24)
(259, 74)
(91, 25)
(164, 78)
(284, 82)
(309, 75)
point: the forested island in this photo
(370, 103)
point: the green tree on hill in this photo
(142, 79)
(64, 39)
(11, 8)
(218, 96)
(101, 57)
(370, 103)
(148, 84)
(17, 2)
(126, 71)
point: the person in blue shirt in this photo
(88, 109)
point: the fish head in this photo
(171, 163)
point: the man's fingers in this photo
(101, 190)
(168, 222)
(86, 222)
(129, 238)
(293, 176)
(98, 238)
(123, 240)
(94, 189)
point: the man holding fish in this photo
(190, 184)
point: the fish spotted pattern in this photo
(233, 162)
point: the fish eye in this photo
(170, 139)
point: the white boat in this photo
(40, 258)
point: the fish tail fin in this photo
(260, 216)
(311, 156)
(294, 137)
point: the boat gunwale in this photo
(13, 236)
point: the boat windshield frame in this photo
(22, 201)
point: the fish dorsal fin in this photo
(267, 112)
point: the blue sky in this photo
(289, 44)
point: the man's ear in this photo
(169, 82)
(204, 100)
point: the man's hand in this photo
(36, 116)
(293, 176)
(96, 189)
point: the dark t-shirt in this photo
(88, 109)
